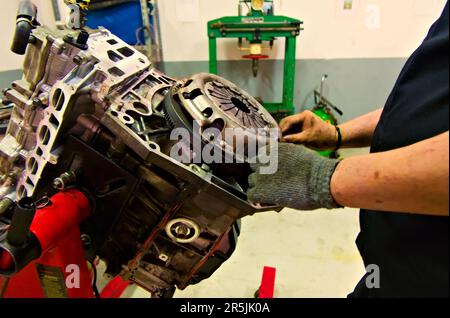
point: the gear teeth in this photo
(169, 120)
(171, 124)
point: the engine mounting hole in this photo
(58, 99)
(32, 165)
(115, 71)
(153, 146)
(22, 192)
(126, 51)
(140, 107)
(44, 135)
(208, 112)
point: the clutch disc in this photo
(209, 101)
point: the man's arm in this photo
(413, 179)
(311, 131)
(358, 132)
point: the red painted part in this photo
(62, 249)
(52, 223)
(115, 288)
(6, 260)
(268, 282)
(69, 251)
(256, 56)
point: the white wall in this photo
(328, 32)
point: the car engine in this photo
(92, 112)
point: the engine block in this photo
(100, 117)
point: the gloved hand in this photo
(302, 180)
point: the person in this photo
(402, 186)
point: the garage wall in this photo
(373, 29)
(361, 50)
(356, 86)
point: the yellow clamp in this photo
(83, 4)
(257, 5)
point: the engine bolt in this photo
(58, 184)
(87, 241)
(182, 230)
(77, 60)
(37, 102)
(64, 180)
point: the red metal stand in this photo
(267, 283)
(115, 288)
(61, 270)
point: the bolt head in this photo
(58, 184)
(37, 102)
(77, 60)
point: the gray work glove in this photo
(302, 180)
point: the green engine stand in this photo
(258, 27)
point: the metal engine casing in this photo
(104, 115)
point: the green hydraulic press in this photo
(257, 27)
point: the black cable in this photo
(246, 3)
(103, 4)
(339, 141)
(94, 282)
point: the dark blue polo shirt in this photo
(412, 251)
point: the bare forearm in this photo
(413, 179)
(359, 131)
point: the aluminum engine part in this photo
(100, 118)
